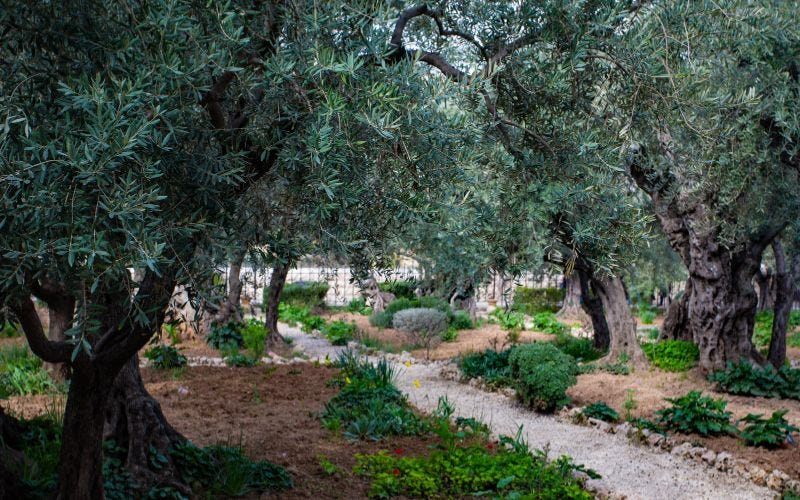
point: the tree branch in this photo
(52, 352)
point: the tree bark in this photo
(276, 283)
(229, 311)
(572, 307)
(766, 283)
(133, 419)
(11, 458)
(784, 296)
(676, 322)
(593, 306)
(621, 324)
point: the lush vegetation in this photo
(542, 374)
(532, 301)
(293, 315)
(400, 288)
(309, 294)
(769, 432)
(165, 357)
(695, 413)
(339, 332)
(22, 374)
(600, 411)
(490, 365)
(225, 336)
(672, 355)
(747, 380)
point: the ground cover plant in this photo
(542, 374)
(747, 380)
(531, 301)
(770, 432)
(227, 335)
(292, 315)
(339, 332)
(695, 413)
(672, 355)
(492, 366)
(309, 294)
(165, 357)
(600, 411)
(369, 405)
(402, 289)
(9, 330)
(22, 373)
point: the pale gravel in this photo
(635, 472)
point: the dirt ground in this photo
(652, 386)
(479, 339)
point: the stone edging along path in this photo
(628, 470)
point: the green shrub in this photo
(235, 358)
(254, 334)
(310, 294)
(546, 322)
(535, 300)
(9, 330)
(451, 334)
(165, 357)
(794, 319)
(442, 305)
(490, 365)
(695, 413)
(769, 433)
(672, 355)
(22, 374)
(424, 327)
(647, 317)
(369, 406)
(506, 469)
(339, 333)
(652, 333)
(401, 289)
(358, 306)
(509, 320)
(461, 321)
(747, 380)
(542, 374)
(601, 411)
(793, 340)
(292, 315)
(762, 329)
(579, 348)
(381, 319)
(225, 336)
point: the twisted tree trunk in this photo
(676, 322)
(593, 306)
(276, 283)
(229, 310)
(572, 307)
(622, 326)
(785, 292)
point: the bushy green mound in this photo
(310, 294)
(542, 374)
(490, 365)
(225, 336)
(767, 432)
(546, 322)
(695, 413)
(601, 411)
(672, 355)
(748, 380)
(339, 332)
(165, 357)
(536, 300)
(402, 289)
(579, 348)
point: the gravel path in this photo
(632, 471)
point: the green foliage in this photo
(165, 357)
(793, 340)
(310, 294)
(647, 317)
(652, 333)
(542, 374)
(537, 300)
(451, 334)
(672, 355)
(9, 330)
(292, 315)
(601, 411)
(339, 333)
(762, 329)
(254, 335)
(423, 326)
(235, 358)
(619, 368)
(369, 406)
(695, 413)
(769, 433)
(748, 380)
(358, 306)
(461, 321)
(546, 322)
(579, 348)
(490, 365)
(382, 319)
(508, 320)
(400, 288)
(22, 373)
(225, 336)
(226, 471)
(506, 469)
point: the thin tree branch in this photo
(47, 350)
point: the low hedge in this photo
(309, 294)
(537, 300)
(401, 289)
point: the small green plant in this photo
(793, 340)
(630, 404)
(762, 329)
(536, 300)
(308, 294)
(400, 288)
(235, 358)
(767, 432)
(579, 348)
(652, 334)
(461, 321)
(542, 374)
(339, 333)
(22, 374)
(647, 317)
(451, 334)
(172, 332)
(224, 336)
(165, 357)
(748, 380)
(358, 306)
(601, 411)
(695, 413)
(328, 467)
(672, 355)
(254, 334)
(546, 322)
(509, 320)
(490, 365)
(424, 327)
(292, 315)
(9, 330)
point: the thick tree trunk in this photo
(229, 310)
(81, 458)
(784, 296)
(276, 283)
(676, 322)
(622, 325)
(572, 307)
(11, 458)
(134, 421)
(593, 306)
(766, 283)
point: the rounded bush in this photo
(424, 326)
(542, 374)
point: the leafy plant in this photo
(235, 358)
(165, 357)
(672, 355)
(652, 333)
(769, 433)
(509, 320)
(762, 329)
(339, 332)
(746, 379)
(308, 294)
(647, 317)
(695, 413)
(451, 334)
(423, 326)
(601, 411)
(22, 374)
(400, 288)
(292, 315)
(537, 300)
(546, 322)
(630, 403)
(254, 334)
(225, 336)
(490, 365)
(9, 330)
(461, 321)
(382, 319)
(579, 348)
(542, 374)
(358, 306)
(793, 340)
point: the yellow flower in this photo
(347, 380)
(408, 364)
(417, 384)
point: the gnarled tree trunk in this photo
(676, 322)
(621, 323)
(766, 283)
(229, 310)
(276, 283)
(593, 306)
(784, 296)
(572, 307)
